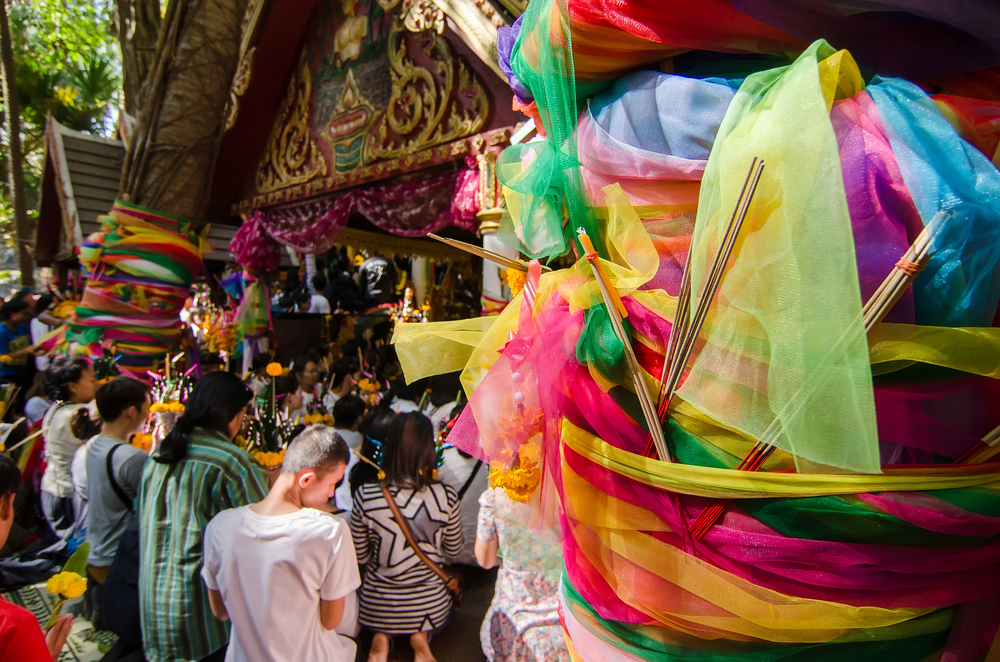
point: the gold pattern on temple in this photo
(241, 81)
(292, 155)
(424, 109)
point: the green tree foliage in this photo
(68, 65)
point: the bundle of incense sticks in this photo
(486, 254)
(984, 450)
(900, 278)
(616, 312)
(878, 306)
(685, 330)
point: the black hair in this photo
(320, 351)
(12, 307)
(303, 296)
(117, 395)
(22, 294)
(375, 428)
(347, 410)
(345, 365)
(63, 371)
(407, 391)
(409, 457)
(299, 365)
(445, 388)
(44, 302)
(213, 403)
(284, 385)
(10, 476)
(210, 359)
(260, 361)
(82, 426)
(319, 283)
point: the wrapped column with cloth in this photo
(831, 485)
(140, 268)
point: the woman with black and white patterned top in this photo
(400, 595)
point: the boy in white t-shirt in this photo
(279, 569)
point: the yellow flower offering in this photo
(67, 585)
(6, 359)
(516, 280)
(268, 459)
(142, 440)
(274, 369)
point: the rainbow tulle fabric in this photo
(859, 538)
(140, 268)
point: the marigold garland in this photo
(317, 418)
(268, 459)
(521, 482)
(516, 280)
(164, 407)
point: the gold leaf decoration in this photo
(241, 81)
(292, 155)
(426, 109)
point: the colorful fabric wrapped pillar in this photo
(140, 268)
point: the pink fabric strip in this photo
(929, 512)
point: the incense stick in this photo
(485, 253)
(615, 310)
(982, 451)
(899, 279)
(874, 311)
(712, 284)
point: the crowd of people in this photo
(345, 286)
(196, 552)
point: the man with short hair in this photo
(318, 302)
(280, 569)
(347, 414)
(114, 468)
(21, 638)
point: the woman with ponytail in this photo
(70, 384)
(196, 473)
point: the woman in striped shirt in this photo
(401, 595)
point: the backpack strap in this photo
(114, 483)
(468, 483)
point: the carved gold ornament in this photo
(241, 81)
(424, 109)
(292, 155)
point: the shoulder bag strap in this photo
(401, 521)
(111, 478)
(468, 483)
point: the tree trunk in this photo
(138, 26)
(15, 156)
(169, 164)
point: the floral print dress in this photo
(522, 624)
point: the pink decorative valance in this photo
(408, 209)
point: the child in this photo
(20, 637)
(281, 569)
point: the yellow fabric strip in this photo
(438, 347)
(975, 350)
(728, 484)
